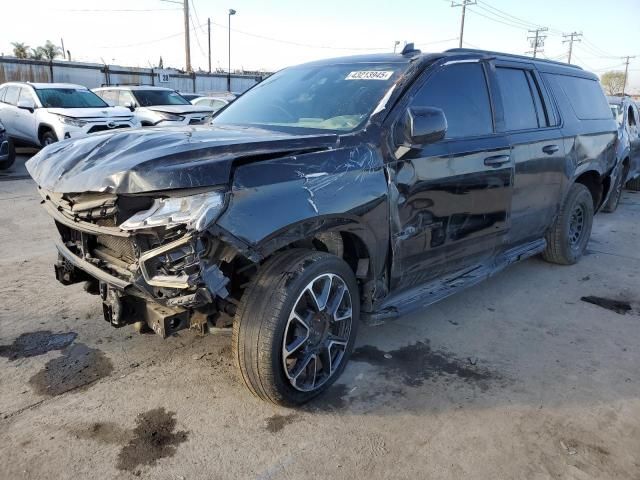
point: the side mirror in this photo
(130, 106)
(422, 125)
(26, 105)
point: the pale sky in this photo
(269, 35)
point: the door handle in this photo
(496, 161)
(550, 149)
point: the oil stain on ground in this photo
(37, 343)
(414, 364)
(78, 367)
(153, 438)
(275, 423)
(618, 306)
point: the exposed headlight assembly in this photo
(169, 116)
(194, 211)
(74, 122)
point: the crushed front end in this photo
(150, 258)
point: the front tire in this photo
(295, 326)
(11, 158)
(48, 137)
(568, 237)
(634, 185)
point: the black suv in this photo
(337, 191)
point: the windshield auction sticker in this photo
(370, 75)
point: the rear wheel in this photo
(295, 327)
(5, 164)
(48, 137)
(569, 235)
(634, 184)
(614, 198)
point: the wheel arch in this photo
(597, 184)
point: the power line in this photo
(475, 12)
(104, 10)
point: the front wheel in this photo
(295, 326)
(48, 138)
(11, 156)
(568, 237)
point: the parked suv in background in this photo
(342, 190)
(627, 170)
(156, 106)
(7, 152)
(42, 113)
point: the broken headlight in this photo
(194, 211)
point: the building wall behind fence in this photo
(92, 75)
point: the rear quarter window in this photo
(585, 96)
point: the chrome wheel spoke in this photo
(317, 332)
(322, 298)
(298, 341)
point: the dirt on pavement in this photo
(517, 377)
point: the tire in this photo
(565, 241)
(633, 185)
(48, 137)
(614, 198)
(6, 164)
(264, 326)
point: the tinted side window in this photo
(11, 97)
(585, 96)
(460, 90)
(517, 101)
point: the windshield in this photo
(150, 98)
(69, 98)
(329, 97)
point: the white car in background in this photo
(215, 102)
(42, 113)
(156, 106)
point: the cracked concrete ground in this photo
(514, 378)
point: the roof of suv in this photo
(413, 55)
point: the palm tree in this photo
(20, 50)
(50, 50)
(37, 53)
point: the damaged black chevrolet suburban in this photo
(337, 191)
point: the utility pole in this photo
(537, 41)
(572, 37)
(395, 45)
(64, 52)
(187, 40)
(209, 33)
(464, 5)
(626, 71)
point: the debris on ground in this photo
(618, 306)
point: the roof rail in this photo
(512, 55)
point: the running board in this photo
(429, 293)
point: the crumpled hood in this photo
(180, 109)
(103, 112)
(150, 159)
